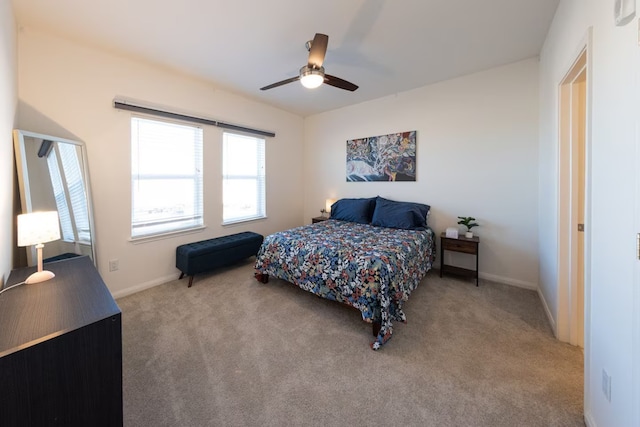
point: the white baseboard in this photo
(509, 281)
(501, 279)
(145, 285)
(588, 420)
(552, 321)
(525, 285)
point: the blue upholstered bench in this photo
(198, 257)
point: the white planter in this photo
(468, 234)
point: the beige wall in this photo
(67, 89)
(612, 341)
(476, 138)
(476, 156)
(8, 100)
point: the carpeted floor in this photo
(234, 352)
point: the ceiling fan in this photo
(312, 75)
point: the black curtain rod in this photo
(161, 113)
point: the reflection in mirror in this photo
(52, 174)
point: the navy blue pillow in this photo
(353, 210)
(405, 215)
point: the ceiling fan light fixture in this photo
(311, 78)
(312, 75)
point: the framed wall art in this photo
(382, 158)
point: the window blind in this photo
(243, 171)
(166, 177)
(60, 197)
(76, 191)
(69, 193)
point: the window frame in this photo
(190, 223)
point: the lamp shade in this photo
(38, 227)
(327, 204)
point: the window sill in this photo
(153, 237)
(241, 221)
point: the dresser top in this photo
(75, 297)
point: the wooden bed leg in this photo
(190, 281)
(376, 325)
(262, 278)
(181, 275)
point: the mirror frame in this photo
(24, 182)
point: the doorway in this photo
(573, 227)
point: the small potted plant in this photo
(469, 222)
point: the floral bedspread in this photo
(373, 269)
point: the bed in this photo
(357, 258)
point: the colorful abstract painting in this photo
(382, 158)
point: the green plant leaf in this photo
(468, 221)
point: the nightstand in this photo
(462, 245)
(319, 219)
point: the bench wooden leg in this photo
(181, 275)
(190, 281)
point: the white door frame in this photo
(568, 323)
(635, 369)
(566, 326)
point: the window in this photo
(69, 193)
(166, 177)
(243, 178)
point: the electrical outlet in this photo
(606, 385)
(114, 264)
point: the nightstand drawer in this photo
(460, 246)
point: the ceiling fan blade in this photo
(339, 83)
(318, 50)
(283, 82)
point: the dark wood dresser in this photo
(60, 349)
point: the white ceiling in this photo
(384, 46)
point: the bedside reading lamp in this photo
(35, 229)
(327, 206)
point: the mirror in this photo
(53, 175)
